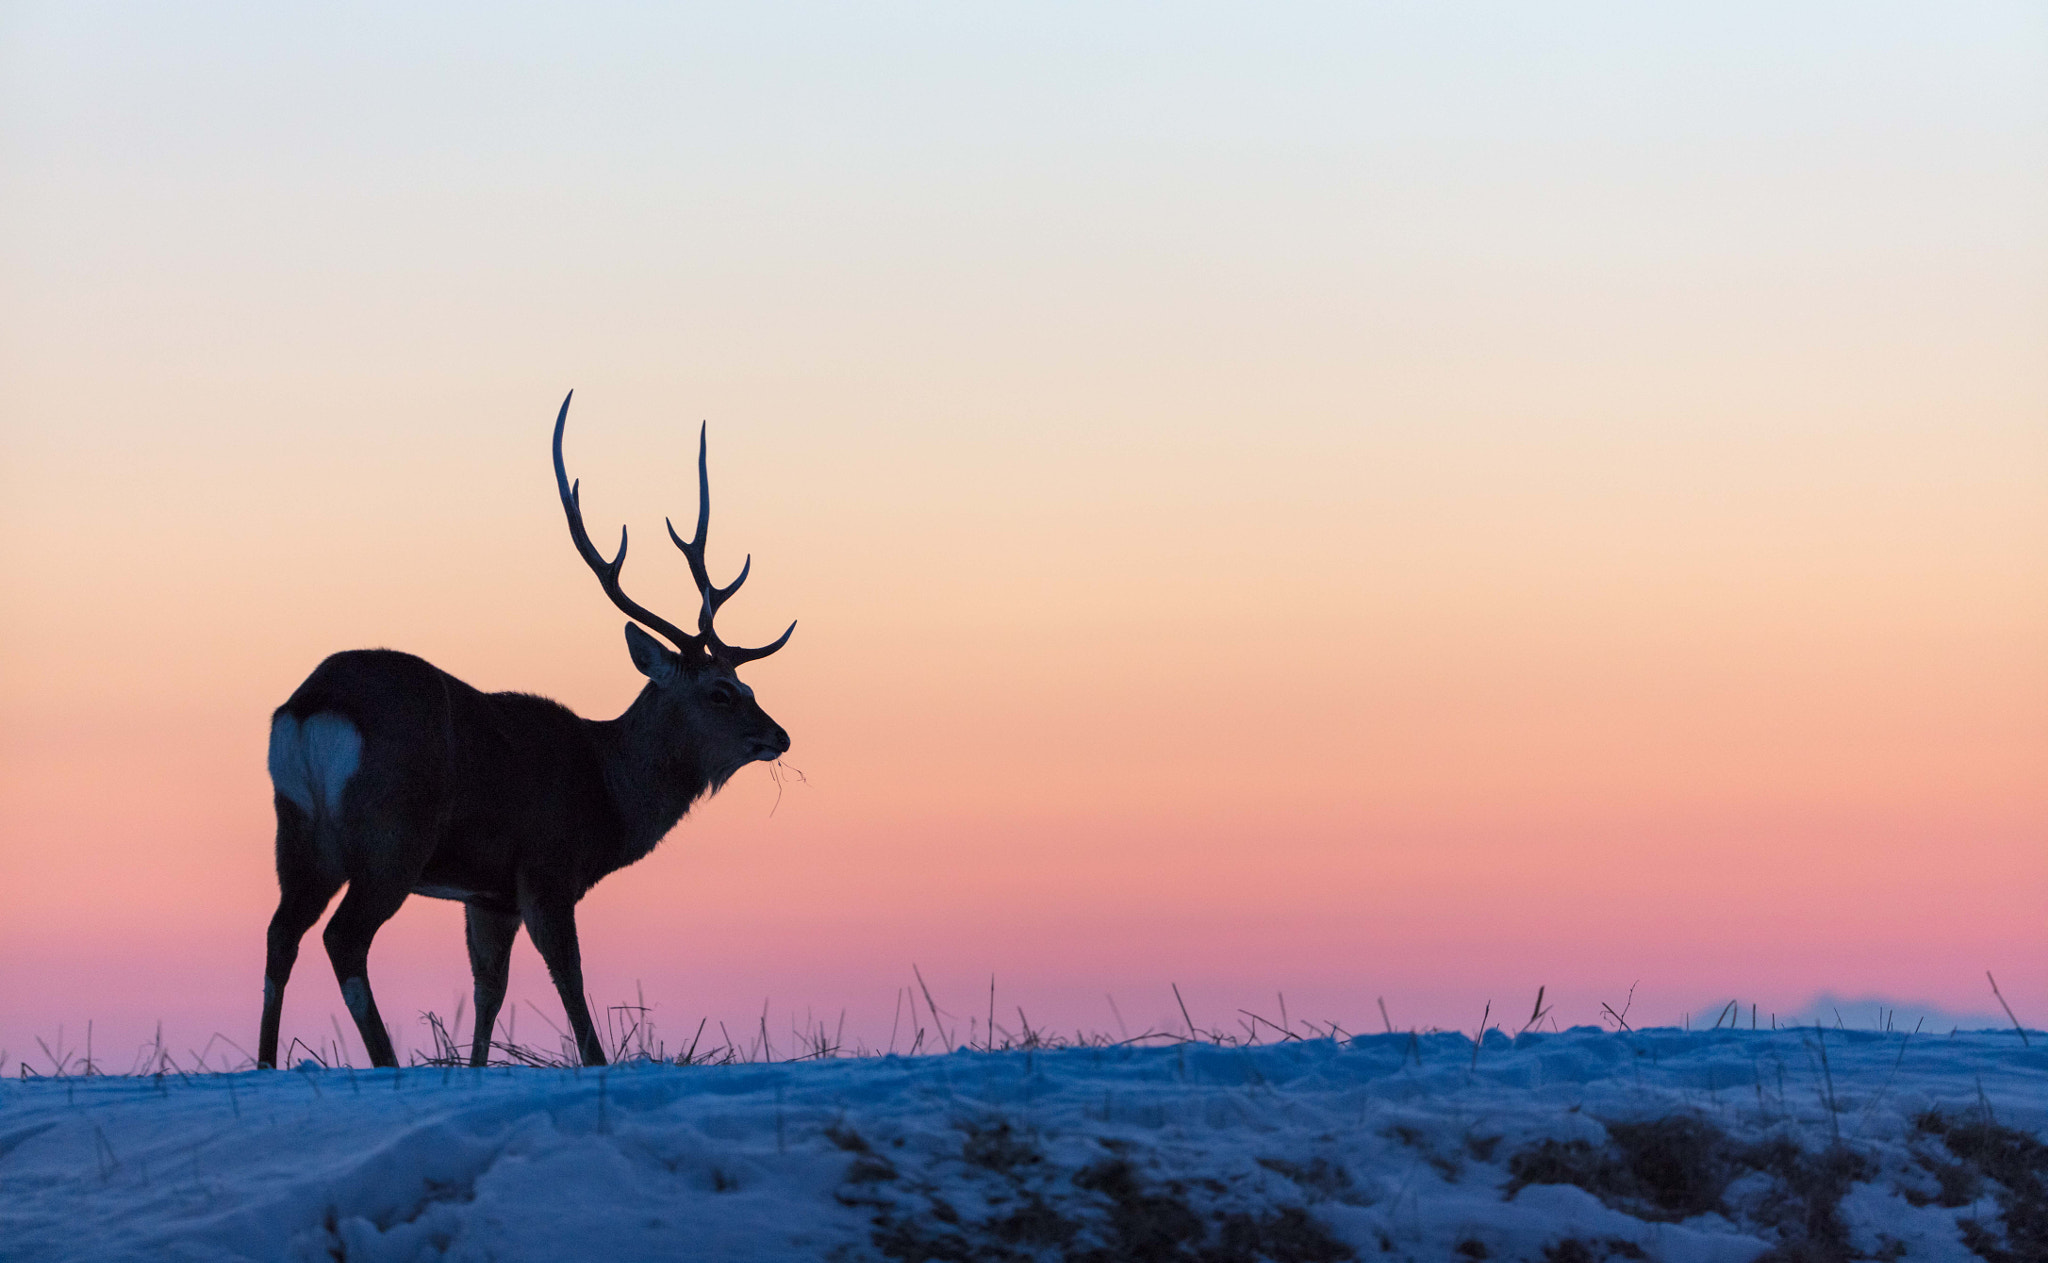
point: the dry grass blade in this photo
(2024, 1041)
(931, 1004)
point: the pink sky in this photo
(1375, 511)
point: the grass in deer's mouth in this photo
(782, 773)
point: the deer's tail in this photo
(311, 761)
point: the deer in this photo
(397, 779)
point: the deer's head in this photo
(706, 722)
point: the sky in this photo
(1396, 502)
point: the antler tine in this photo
(693, 548)
(715, 596)
(607, 571)
(734, 657)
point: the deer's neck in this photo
(652, 779)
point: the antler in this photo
(608, 571)
(706, 641)
(715, 596)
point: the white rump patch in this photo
(311, 762)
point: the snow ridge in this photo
(1663, 1144)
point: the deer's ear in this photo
(654, 659)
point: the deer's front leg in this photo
(490, 936)
(551, 924)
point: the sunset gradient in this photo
(1361, 502)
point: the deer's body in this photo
(395, 778)
(460, 792)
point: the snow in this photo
(1387, 1146)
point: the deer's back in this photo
(471, 784)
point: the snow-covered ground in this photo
(1582, 1145)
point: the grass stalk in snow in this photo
(631, 1034)
(1994, 991)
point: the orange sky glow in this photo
(1396, 507)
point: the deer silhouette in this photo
(395, 778)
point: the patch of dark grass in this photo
(1035, 1224)
(1319, 1178)
(1670, 1169)
(2016, 1162)
(938, 1234)
(1804, 1202)
(1955, 1183)
(1148, 1225)
(869, 1168)
(998, 1147)
(1680, 1164)
(1287, 1235)
(1589, 1250)
(1666, 1169)
(847, 1138)
(911, 1241)
(1145, 1225)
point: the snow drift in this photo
(1585, 1145)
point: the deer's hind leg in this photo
(369, 903)
(304, 886)
(490, 962)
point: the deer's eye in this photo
(721, 696)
